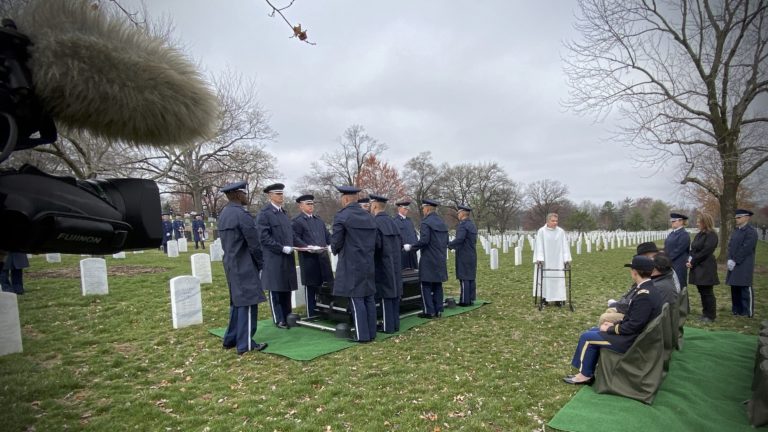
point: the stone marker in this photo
(10, 325)
(589, 246)
(518, 256)
(119, 255)
(201, 267)
(186, 302)
(182, 243)
(217, 252)
(93, 276)
(53, 257)
(298, 297)
(173, 249)
(578, 247)
(494, 259)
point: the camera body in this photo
(44, 213)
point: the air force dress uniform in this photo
(433, 270)
(389, 280)
(741, 266)
(279, 273)
(167, 233)
(354, 241)
(677, 246)
(198, 232)
(310, 230)
(178, 229)
(466, 258)
(408, 259)
(242, 262)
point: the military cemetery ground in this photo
(114, 361)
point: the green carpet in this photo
(705, 387)
(303, 343)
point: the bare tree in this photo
(422, 177)
(545, 196)
(687, 76)
(343, 166)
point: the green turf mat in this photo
(707, 382)
(303, 343)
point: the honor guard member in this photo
(741, 264)
(353, 239)
(677, 246)
(389, 281)
(242, 262)
(409, 259)
(310, 230)
(167, 231)
(365, 203)
(198, 230)
(433, 270)
(12, 272)
(618, 336)
(466, 255)
(276, 237)
(178, 228)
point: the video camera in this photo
(45, 213)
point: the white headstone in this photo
(589, 246)
(518, 256)
(10, 326)
(201, 267)
(53, 257)
(138, 251)
(119, 255)
(93, 276)
(173, 249)
(494, 259)
(182, 242)
(186, 301)
(298, 297)
(578, 247)
(505, 247)
(217, 252)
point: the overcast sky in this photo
(470, 81)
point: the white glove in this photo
(287, 249)
(406, 247)
(610, 302)
(731, 264)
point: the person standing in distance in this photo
(310, 230)
(408, 259)
(353, 239)
(242, 262)
(389, 280)
(276, 237)
(703, 266)
(167, 231)
(551, 251)
(178, 228)
(677, 246)
(433, 269)
(198, 231)
(12, 272)
(741, 264)
(466, 256)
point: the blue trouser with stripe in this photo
(242, 326)
(281, 306)
(363, 311)
(742, 300)
(310, 292)
(432, 297)
(588, 351)
(468, 291)
(390, 314)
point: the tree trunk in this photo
(727, 199)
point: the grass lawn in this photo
(114, 362)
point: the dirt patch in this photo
(74, 272)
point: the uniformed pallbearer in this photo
(433, 270)
(389, 281)
(276, 237)
(353, 239)
(198, 231)
(408, 259)
(242, 262)
(466, 255)
(677, 246)
(179, 227)
(309, 230)
(741, 264)
(167, 231)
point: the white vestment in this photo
(552, 248)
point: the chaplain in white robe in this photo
(553, 252)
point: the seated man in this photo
(664, 280)
(617, 308)
(619, 336)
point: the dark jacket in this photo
(275, 231)
(198, 229)
(643, 308)
(242, 255)
(466, 250)
(15, 261)
(665, 285)
(311, 231)
(676, 246)
(178, 229)
(433, 245)
(741, 249)
(389, 280)
(167, 231)
(408, 233)
(703, 264)
(354, 240)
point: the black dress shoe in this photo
(283, 325)
(426, 316)
(463, 304)
(227, 347)
(255, 347)
(570, 380)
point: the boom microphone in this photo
(93, 70)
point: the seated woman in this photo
(619, 336)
